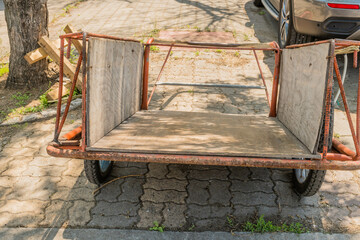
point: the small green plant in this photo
(207, 29)
(336, 135)
(20, 98)
(73, 56)
(262, 226)
(157, 227)
(192, 227)
(230, 221)
(234, 33)
(171, 53)
(154, 49)
(218, 51)
(43, 100)
(197, 53)
(246, 37)
(206, 50)
(4, 69)
(197, 29)
(154, 32)
(262, 12)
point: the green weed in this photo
(154, 49)
(197, 53)
(4, 69)
(246, 37)
(262, 226)
(262, 12)
(20, 98)
(218, 51)
(237, 54)
(192, 227)
(157, 227)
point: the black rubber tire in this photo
(316, 177)
(292, 34)
(93, 172)
(258, 3)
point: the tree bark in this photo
(27, 21)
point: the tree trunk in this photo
(27, 21)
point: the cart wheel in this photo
(97, 170)
(258, 3)
(308, 182)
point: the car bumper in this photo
(316, 18)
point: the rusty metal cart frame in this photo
(73, 144)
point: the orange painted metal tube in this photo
(73, 134)
(342, 148)
(347, 111)
(144, 105)
(262, 77)
(275, 84)
(355, 62)
(208, 160)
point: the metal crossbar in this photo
(209, 85)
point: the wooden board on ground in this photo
(54, 53)
(303, 78)
(77, 43)
(40, 53)
(114, 84)
(176, 132)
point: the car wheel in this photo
(97, 170)
(286, 30)
(258, 3)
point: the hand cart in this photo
(297, 133)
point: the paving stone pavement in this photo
(37, 190)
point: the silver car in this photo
(307, 20)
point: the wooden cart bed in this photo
(199, 133)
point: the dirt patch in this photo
(11, 99)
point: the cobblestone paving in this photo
(37, 190)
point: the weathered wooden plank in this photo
(40, 53)
(77, 43)
(176, 132)
(113, 80)
(302, 91)
(54, 53)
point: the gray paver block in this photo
(198, 192)
(284, 175)
(165, 184)
(131, 190)
(79, 213)
(239, 173)
(260, 174)
(170, 196)
(56, 214)
(174, 215)
(209, 211)
(340, 187)
(251, 186)
(157, 170)
(99, 221)
(209, 174)
(115, 208)
(219, 192)
(254, 199)
(149, 213)
(177, 171)
(244, 213)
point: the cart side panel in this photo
(114, 85)
(303, 77)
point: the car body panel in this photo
(316, 18)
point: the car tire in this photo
(258, 3)
(286, 31)
(97, 171)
